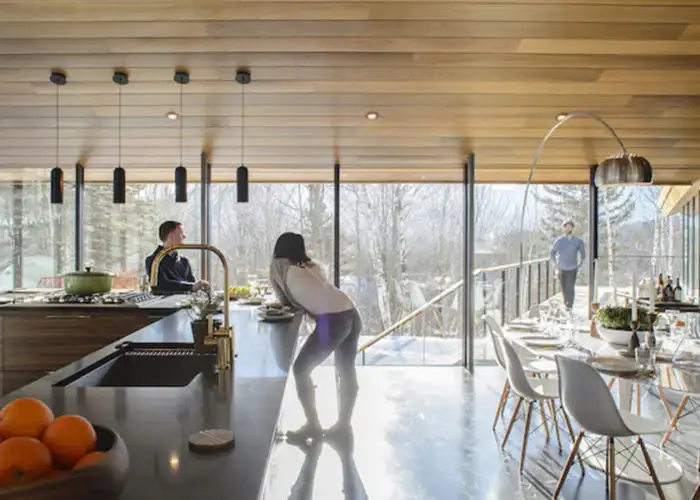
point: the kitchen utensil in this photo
(87, 282)
(103, 479)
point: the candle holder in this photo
(634, 338)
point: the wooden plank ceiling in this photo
(446, 77)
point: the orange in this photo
(69, 438)
(680, 323)
(23, 459)
(25, 417)
(89, 459)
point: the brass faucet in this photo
(222, 337)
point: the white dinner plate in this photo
(543, 341)
(616, 365)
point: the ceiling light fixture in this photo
(182, 78)
(372, 115)
(172, 115)
(121, 78)
(242, 77)
(58, 78)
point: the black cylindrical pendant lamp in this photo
(242, 184)
(119, 185)
(56, 185)
(181, 184)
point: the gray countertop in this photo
(156, 422)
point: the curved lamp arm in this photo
(567, 117)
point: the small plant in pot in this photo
(199, 307)
(613, 323)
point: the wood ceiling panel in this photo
(447, 77)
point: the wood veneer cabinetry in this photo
(35, 342)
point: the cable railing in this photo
(501, 290)
(508, 291)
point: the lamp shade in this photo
(242, 184)
(119, 185)
(181, 184)
(623, 169)
(56, 185)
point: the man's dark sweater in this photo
(174, 274)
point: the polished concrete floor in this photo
(425, 433)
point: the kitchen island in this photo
(155, 422)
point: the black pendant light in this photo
(182, 77)
(58, 78)
(242, 77)
(121, 78)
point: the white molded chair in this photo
(534, 391)
(496, 333)
(579, 385)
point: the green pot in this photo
(87, 282)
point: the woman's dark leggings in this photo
(338, 333)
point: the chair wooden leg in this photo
(567, 466)
(543, 417)
(611, 467)
(501, 403)
(650, 466)
(611, 383)
(512, 421)
(505, 399)
(674, 420)
(553, 411)
(526, 434)
(571, 436)
(638, 389)
(667, 407)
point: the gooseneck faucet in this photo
(222, 337)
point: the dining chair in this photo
(542, 392)
(696, 493)
(496, 333)
(580, 385)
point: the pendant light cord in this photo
(242, 125)
(119, 126)
(181, 124)
(58, 127)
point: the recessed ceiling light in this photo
(561, 116)
(172, 115)
(372, 115)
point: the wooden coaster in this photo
(212, 440)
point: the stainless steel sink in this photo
(145, 365)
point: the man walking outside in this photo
(565, 255)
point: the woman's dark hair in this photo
(291, 246)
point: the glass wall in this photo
(118, 238)
(401, 246)
(36, 237)
(246, 232)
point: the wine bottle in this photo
(668, 291)
(678, 291)
(660, 286)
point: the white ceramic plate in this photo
(542, 341)
(609, 364)
(519, 327)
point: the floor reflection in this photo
(343, 444)
(425, 434)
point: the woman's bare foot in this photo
(305, 432)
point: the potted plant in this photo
(613, 323)
(199, 307)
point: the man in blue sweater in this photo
(175, 272)
(568, 254)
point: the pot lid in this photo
(88, 272)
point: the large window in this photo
(246, 232)
(401, 246)
(118, 238)
(36, 237)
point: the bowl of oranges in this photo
(57, 458)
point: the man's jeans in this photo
(568, 286)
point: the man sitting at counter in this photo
(175, 272)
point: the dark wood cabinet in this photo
(35, 342)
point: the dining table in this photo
(529, 336)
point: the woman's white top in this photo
(307, 287)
